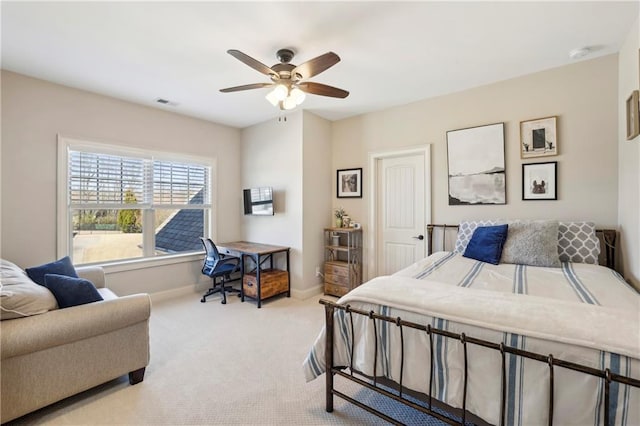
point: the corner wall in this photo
(582, 95)
(629, 161)
(292, 157)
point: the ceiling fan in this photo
(289, 81)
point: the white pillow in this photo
(21, 297)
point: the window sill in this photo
(136, 264)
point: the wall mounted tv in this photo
(258, 201)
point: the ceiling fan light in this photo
(281, 91)
(289, 103)
(297, 95)
(272, 98)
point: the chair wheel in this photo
(203, 300)
(224, 302)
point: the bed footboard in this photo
(399, 392)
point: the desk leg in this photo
(258, 281)
(241, 277)
(288, 276)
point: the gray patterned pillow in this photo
(577, 242)
(533, 243)
(465, 232)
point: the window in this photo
(120, 204)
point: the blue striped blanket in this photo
(580, 313)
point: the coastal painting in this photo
(476, 165)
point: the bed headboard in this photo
(443, 237)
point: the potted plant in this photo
(339, 214)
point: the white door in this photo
(400, 227)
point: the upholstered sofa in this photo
(49, 356)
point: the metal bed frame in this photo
(398, 392)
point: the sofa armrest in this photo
(95, 274)
(62, 326)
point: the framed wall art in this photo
(475, 158)
(540, 181)
(633, 123)
(538, 138)
(349, 183)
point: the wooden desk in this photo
(259, 254)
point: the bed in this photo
(507, 344)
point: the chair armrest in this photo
(62, 326)
(95, 274)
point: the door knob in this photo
(419, 237)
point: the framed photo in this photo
(538, 138)
(475, 158)
(349, 183)
(540, 181)
(633, 123)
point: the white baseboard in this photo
(176, 292)
(305, 294)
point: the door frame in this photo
(374, 159)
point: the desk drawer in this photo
(272, 282)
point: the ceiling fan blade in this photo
(256, 65)
(246, 87)
(315, 66)
(322, 90)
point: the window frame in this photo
(64, 217)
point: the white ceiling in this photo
(392, 53)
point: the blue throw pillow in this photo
(486, 243)
(59, 267)
(70, 291)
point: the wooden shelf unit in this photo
(343, 261)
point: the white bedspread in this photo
(586, 315)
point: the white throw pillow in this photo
(21, 297)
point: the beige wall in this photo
(317, 173)
(629, 159)
(583, 96)
(272, 156)
(291, 156)
(35, 111)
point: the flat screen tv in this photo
(258, 201)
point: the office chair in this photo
(216, 266)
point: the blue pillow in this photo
(70, 291)
(486, 243)
(59, 267)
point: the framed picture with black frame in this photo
(540, 181)
(349, 183)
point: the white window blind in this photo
(106, 179)
(102, 179)
(180, 184)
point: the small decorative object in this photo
(339, 214)
(349, 183)
(476, 165)
(633, 120)
(538, 137)
(335, 239)
(356, 225)
(540, 181)
(346, 221)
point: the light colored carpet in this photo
(217, 364)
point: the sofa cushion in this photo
(19, 296)
(70, 291)
(59, 267)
